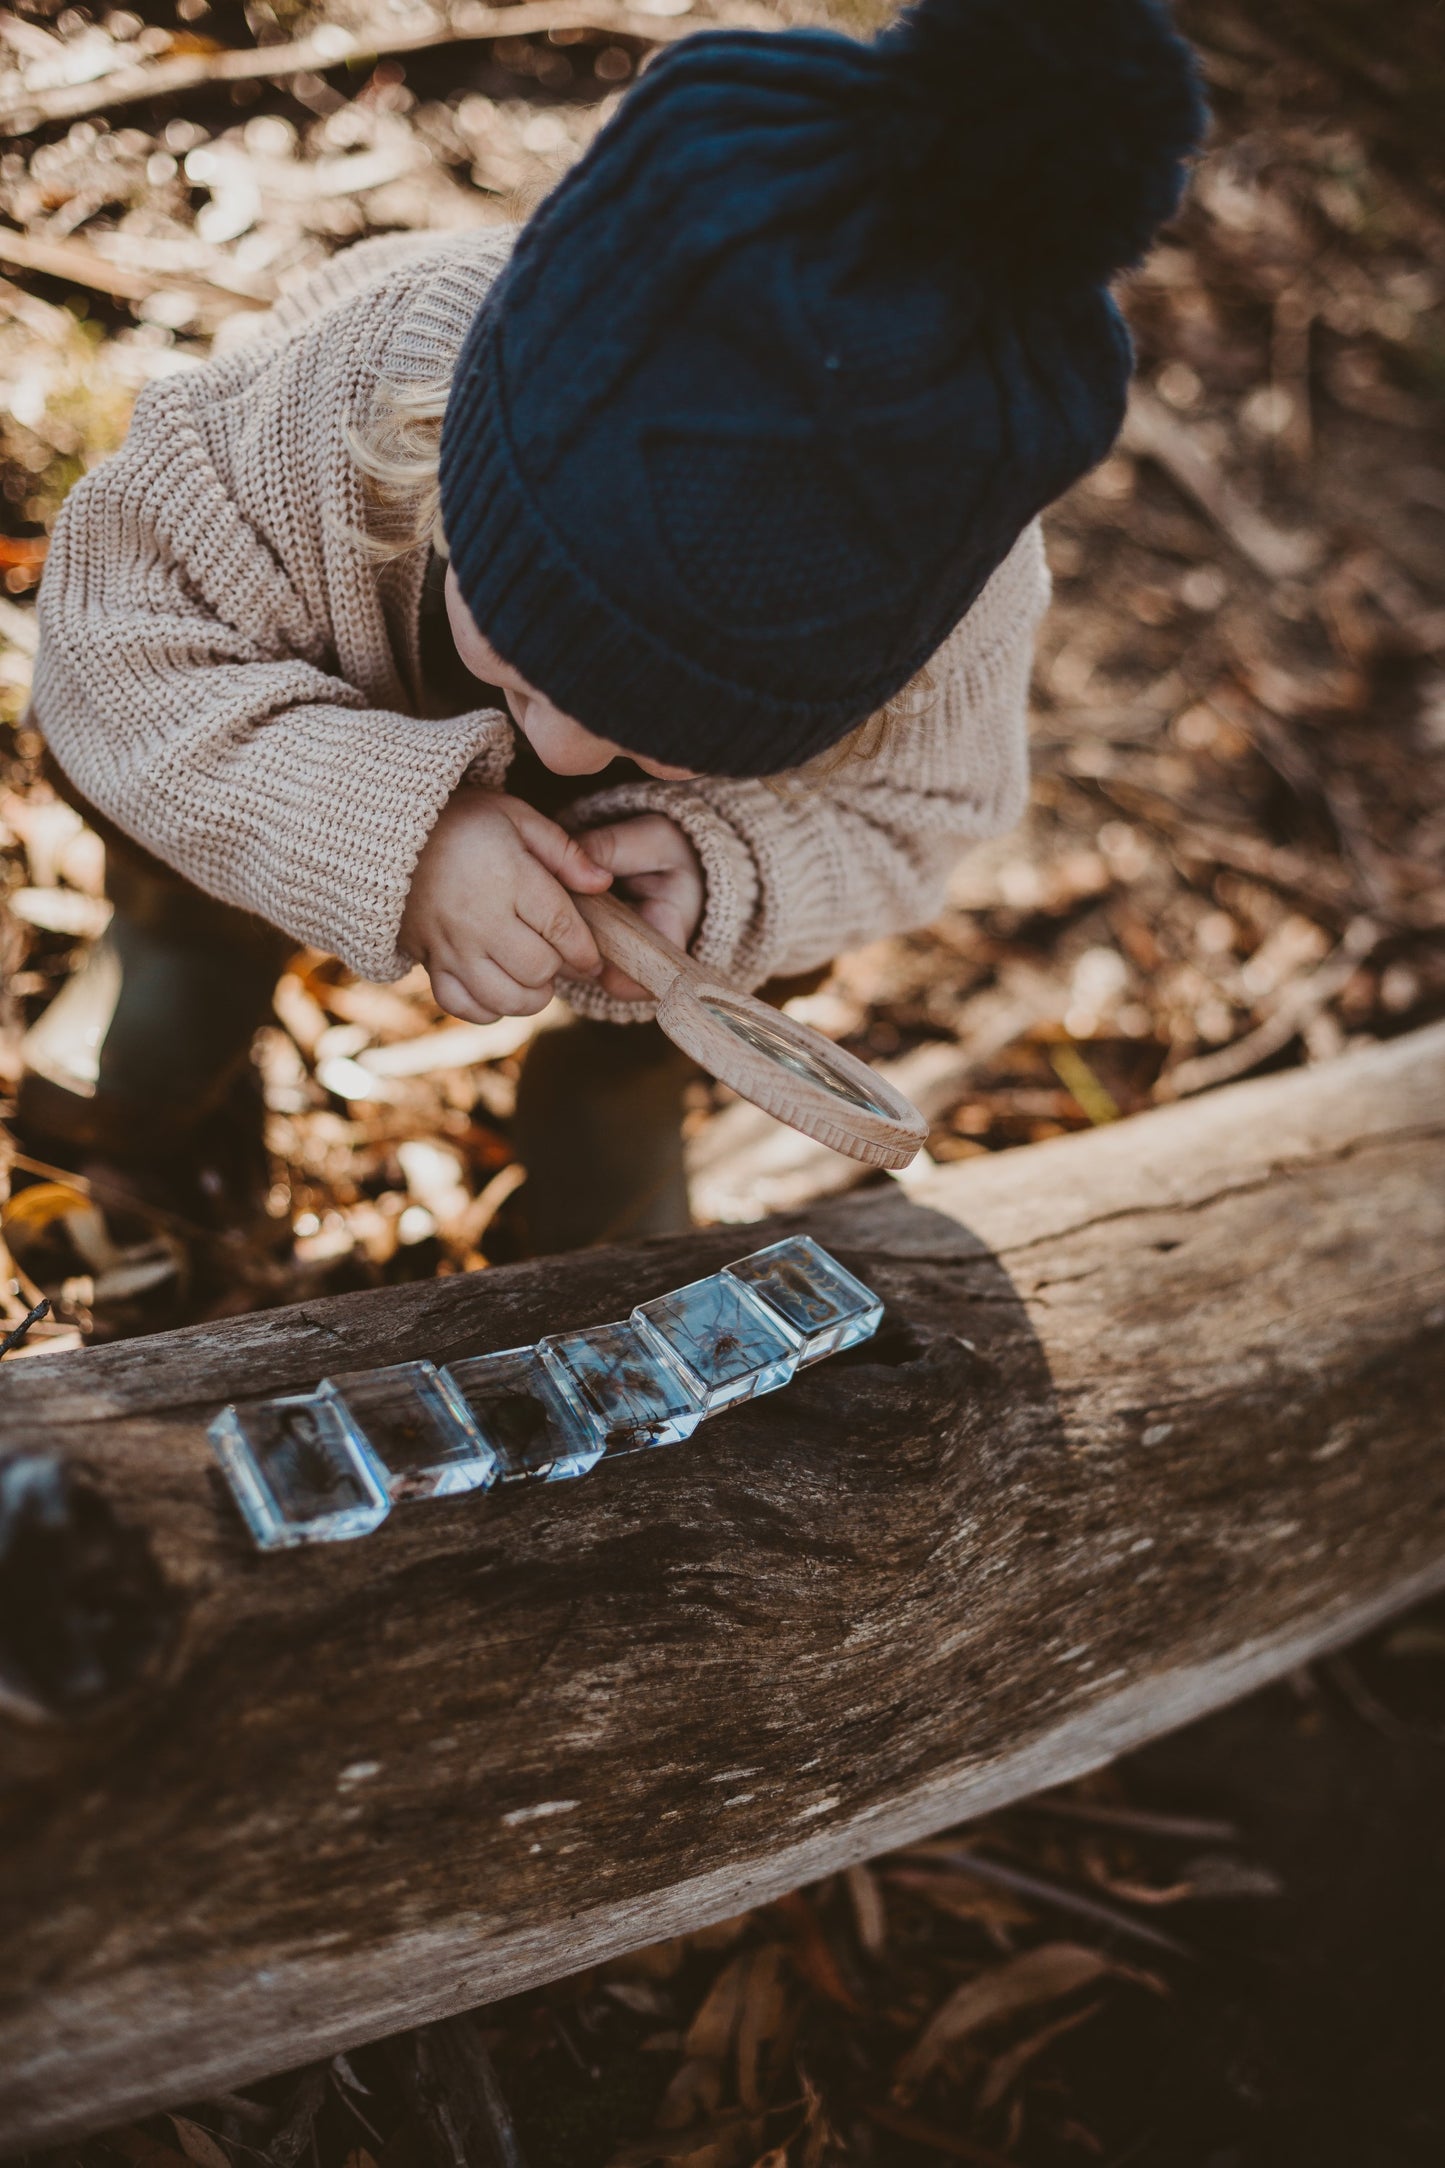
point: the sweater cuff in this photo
(730, 884)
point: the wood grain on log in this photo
(1154, 1415)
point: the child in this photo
(735, 457)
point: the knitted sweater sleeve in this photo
(218, 666)
(798, 873)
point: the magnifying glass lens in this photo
(779, 1046)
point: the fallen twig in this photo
(488, 1202)
(112, 1193)
(933, 2136)
(1298, 1007)
(1193, 842)
(18, 1336)
(80, 265)
(1368, 1706)
(252, 2113)
(332, 45)
(233, 1243)
(1138, 1821)
(1053, 1894)
(296, 2133)
(1152, 432)
(449, 2078)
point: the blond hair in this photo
(398, 450)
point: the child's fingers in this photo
(659, 872)
(449, 993)
(525, 956)
(490, 987)
(620, 986)
(672, 915)
(545, 906)
(644, 843)
(552, 847)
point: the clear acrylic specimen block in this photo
(534, 1424)
(634, 1388)
(729, 1346)
(822, 1302)
(422, 1438)
(299, 1472)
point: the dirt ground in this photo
(1234, 861)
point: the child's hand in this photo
(659, 872)
(489, 914)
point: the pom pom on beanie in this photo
(781, 370)
(1041, 139)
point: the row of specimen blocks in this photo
(323, 1466)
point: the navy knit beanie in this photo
(781, 370)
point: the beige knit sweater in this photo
(226, 675)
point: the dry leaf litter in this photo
(1234, 861)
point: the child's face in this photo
(567, 748)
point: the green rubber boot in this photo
(599, 1130)
(147, 1047)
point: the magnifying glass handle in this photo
(635, 947)
(782, 1065)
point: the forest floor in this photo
(1234, 860)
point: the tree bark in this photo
(1154, 1416)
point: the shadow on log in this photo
(1153, 1416)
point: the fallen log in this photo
(1154, 1415)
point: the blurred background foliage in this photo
(1234, 860)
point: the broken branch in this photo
(330, 46)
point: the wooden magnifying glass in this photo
(779, 1064)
